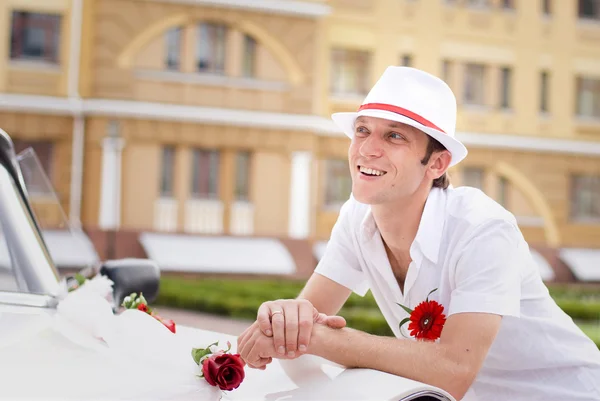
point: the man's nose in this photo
(371, 147)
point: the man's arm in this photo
(452, 364)
(324, 294)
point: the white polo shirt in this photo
(471, 249)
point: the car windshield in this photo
(25, 263)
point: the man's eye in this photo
(362, 130)
(395, 135)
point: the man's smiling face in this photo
(385, 160)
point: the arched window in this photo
(211, 45)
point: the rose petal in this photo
(209, 369)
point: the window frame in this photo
(595, 12)
(21, 22)
(173, 36)
(215, 49)
(241, 190)
(344, 59)
(506, 83)
(594, 83)
(579, 189)
(212, 178)
(332, 196)
(167, 171)
(468, 73)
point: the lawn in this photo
(241, 299)
(591, 329)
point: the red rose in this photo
(427, 321)
(143, 308)
(224, 370)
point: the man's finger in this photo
(291, 328)
(261, 363)
(248, 345)
(305, 323)
(335, 322)
(278, 326)
(263, 317)
(242, 338)
(257, 351)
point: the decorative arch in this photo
(126, 57)
(295, 74)
(535, 197)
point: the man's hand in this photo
(258, 349)
(290, 323)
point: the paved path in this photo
(204, 321)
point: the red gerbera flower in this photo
(426, 320)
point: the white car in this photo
(50, 348)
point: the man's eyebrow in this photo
(389, 125)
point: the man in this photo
(488, 329)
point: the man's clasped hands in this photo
(283, 330)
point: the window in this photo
(503, 188)
(407, 60)
(205, 174)
(508, 4)
(173, 51)
(349, 72)
(242, 176)
(167, 171)
(211, 48)
(446, 71)
(505, 84)
(589, 9)
(547, 7)
(479, 3)
(35, 37)
(544, 88)
(249, 58)
(475, 84)
(585, 197)
(473, 177)
(588, 97)
(338, 182)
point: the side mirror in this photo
(132, 275)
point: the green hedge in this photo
(241, 299)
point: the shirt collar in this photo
(429, 233)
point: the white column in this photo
(299, 221)
(110, 196)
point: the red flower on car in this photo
(135, 301)
(169, 324)
(426, 320)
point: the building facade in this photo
(173, 121)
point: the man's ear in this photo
(440, 161)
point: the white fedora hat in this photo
(412, 97)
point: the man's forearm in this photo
(431, 363)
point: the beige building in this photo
(198, 131)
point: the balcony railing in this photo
(204, 216)
(242, 218)
(165, 214)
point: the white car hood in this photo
(45, 356)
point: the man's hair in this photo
(434, 146)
